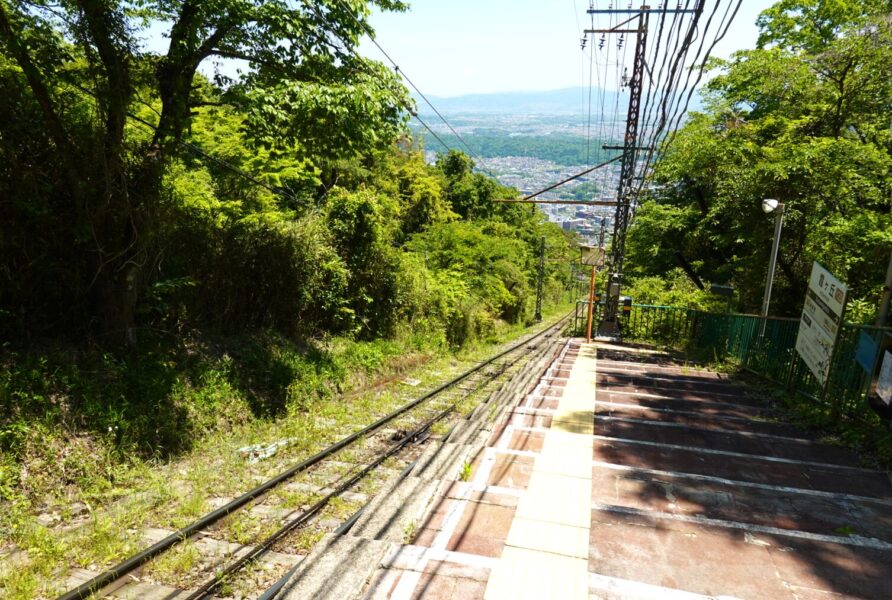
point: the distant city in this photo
(532, 140)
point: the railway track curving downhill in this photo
(226, 568)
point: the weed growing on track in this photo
(174, 565)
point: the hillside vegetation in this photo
(184, 253)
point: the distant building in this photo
(573, 224)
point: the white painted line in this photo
(543, 384)
(486, 489)
(450, 522)
(614, 587)
(415, 558)
(512, 452)
(531, 430)
(770, 436)
(705, 478)
(412, 560)
(738, 483)
(537, 391)
(677, 399)
(519, 571)
(529, 410)
(646, 365)
(789, 461)
(853, 540)
(672, 411)
(408, 581)
(608, 385)
(726, 383)
(707, 377)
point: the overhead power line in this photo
(403, 74)
(562, 182)
(408, 107)
(698, 65)
(661, 83)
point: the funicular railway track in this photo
(396, 437)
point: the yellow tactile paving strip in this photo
(546, 552)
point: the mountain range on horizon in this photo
(565, 101)
(562, 101)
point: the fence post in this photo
(883, 313)
(791, 387)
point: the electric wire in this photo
(649, 131)
(668, 84)
(667, 87)
(670, 117)
(674, 63)
(371, 35)
(607, 123)
(408, 107)
(588, 125)
(657, 147)
(657, 73)
(721, 32)
(569, 179)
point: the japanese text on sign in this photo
(821, 319)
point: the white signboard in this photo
(822, 313)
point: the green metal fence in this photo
(770, 353)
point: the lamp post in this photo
(770, 205)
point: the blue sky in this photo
(455, 47)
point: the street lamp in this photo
(770, 205)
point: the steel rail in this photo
(213, 584)
(111, 575)
(508, 387)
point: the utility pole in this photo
(630, 146)
(572, 277)
(540, 280)
(627, 171)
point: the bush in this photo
(674, 289)
(258, 272)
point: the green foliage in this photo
(804, 121)
(810, 25)
(422, 195)
(362, 236)
(182, 256)
(337, 121)
(95, 185)
(674, 289)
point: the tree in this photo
(807, 126)
(809, 25)
(422, 194)
(300, 61)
